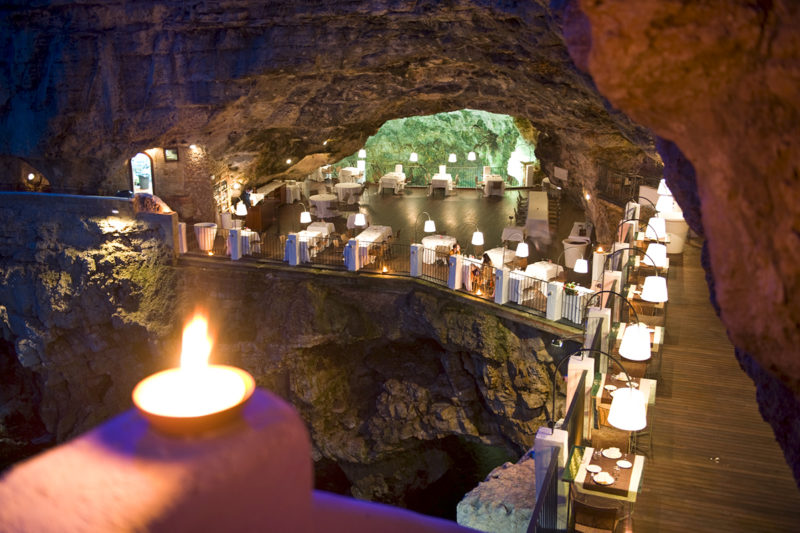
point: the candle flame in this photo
(196, 344)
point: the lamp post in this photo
(655, 287)
(635, 343)
(477, 240)
(429, 227)
(522, 250)
(628, 411)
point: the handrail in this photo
(546, 509)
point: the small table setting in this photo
(308, 240)
(392, 180)
(292, 192)
(501, 256)
(348, 192)
(370, 236)
(251, 242)
(431, 242)
(325, 228)
(442, 181)
(609, 473)
(349, 175)
(493, 185)
(325, 204)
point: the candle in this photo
(195, 396)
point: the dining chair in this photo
(608, 437)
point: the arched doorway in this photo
(142, 173)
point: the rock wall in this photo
(84, 298)
(381, 369)
(721, 81)
(257, 84)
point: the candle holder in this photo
(195, 397)
(148, 394)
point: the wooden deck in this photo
(716, 465)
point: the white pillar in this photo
(182, 247)
(454, 276)
(555, 295)
(416, 260)
(291, 254)
(351, 255)
(501, 285)
(575, 367)
(598, 262)
(235, 244)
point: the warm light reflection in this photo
(195, 388)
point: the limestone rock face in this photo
(381, 370)
(82, 301)
(504, 501)
(722, 82)
(259, 83)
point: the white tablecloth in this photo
(308, 240)
(430, 243)
(325, 204)
(496, 255)
(325, 228)
(348, 192)
(349, 174)
(544, 270)
(371, 235)
(442, 181)
(205, 232)
(374, 234)
(392, 180)
(493, 184)
(513, 233)
(292, 193)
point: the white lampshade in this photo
(656, 228)
(361, 165)
(655, 289)
(305, 217)
(663, 189)
(452, 158)
(477, 238)
(362, 154)
(414, 157)
(429, 227)
(471, 156)
(241, 209)
(635, 343)
(581, 266)
(656, 255)
(522, 249)
(628, 410)
(665, 204)
(360, 220)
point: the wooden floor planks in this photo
(716, 465)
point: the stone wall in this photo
(380, 368)
(85, 292)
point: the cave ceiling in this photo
(89, 84)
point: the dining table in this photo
(617, 475)
(251, 242)
(292, 192)
(431, 242)
(442, 181)
(544, 270)
(325, 204)
(348, 192)
(371, 236)
(513, 233)
(392, 180)
(501, 256)
(325, 228)
(493, 185)
(349, 174)
(308, 243)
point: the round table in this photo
(324, 204)
(348, 192)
